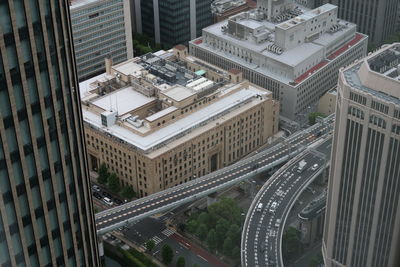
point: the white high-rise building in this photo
(100, 28)
(294, 53)
(362, 226)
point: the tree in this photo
(103, 174)
(128, 193)
(236, 252)
(227, 247)
(212, 240)
(220, 229)
(167, 254)
(192, 226)
(150, 245)
(313, 116)
(113, 183)
(202, 232)
(180, 262)
(291, 243)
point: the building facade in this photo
(327, 103)
(377, 19)
(171, 22)
(100, 28)
(223, 9)
(46, 216)
(294, 53)
(363, 207)
(157, 124)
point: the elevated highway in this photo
(130, 212)
(263, 229)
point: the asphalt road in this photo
(263, 227)
(138, 209)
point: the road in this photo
(162, 201)
(263, 228)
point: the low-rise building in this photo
(294, 52)
(157, 124)
(100, 28)
(327, 103)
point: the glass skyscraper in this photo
(46, 214)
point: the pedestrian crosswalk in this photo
(168, 232)
(156, 239)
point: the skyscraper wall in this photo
(45, 203)
(363, 210)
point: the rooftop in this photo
(288, 47)
(368, 75)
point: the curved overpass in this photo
(263, 228)
(116, 217)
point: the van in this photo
(108, 201)
(259, 207)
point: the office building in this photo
(279, 46)
(157, 124)
(223, 9)
(327, 103)
(377, 19)
(363, 209)
(46, 216)
(100, 28)
(171, 22)
(311, 3)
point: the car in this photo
(96, 188)
(263, 246)
(118, 201)
(273, 207)
(97, 195)
(259, 207)
(105, 194)
(108, 201)
(278, 222)
(314, 167)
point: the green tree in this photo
(128, 193)
(313, 116)
(150, 245)
(195, 265)
(203, 218)
(167, 254)
(236, 253)
(180, 262)
(234, 233)
(103, 174)
(192, 226)
(202, 232)
(291, 243)
(227, 247)
(113, 183)
(212, 240)
(220, 229)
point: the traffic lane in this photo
(185, 192)
(265, 245)
(118, 216)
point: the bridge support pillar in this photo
(211, 199)
(101, 250)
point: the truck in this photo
(302, 166)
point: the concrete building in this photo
(171, 22)
(363, 208)
(311, 220)
(157, 124)
(223, 9)
(46, 216)
(294, 53)
(377, 19)
(100, 28)
(327, 103)
(311, 3)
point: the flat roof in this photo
(123, 100)
(178, 92)
(161, 113)
(183, 126)
(129, 68)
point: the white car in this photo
(108, 201)
(259, 207)
(314, 167)
(96, 188)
